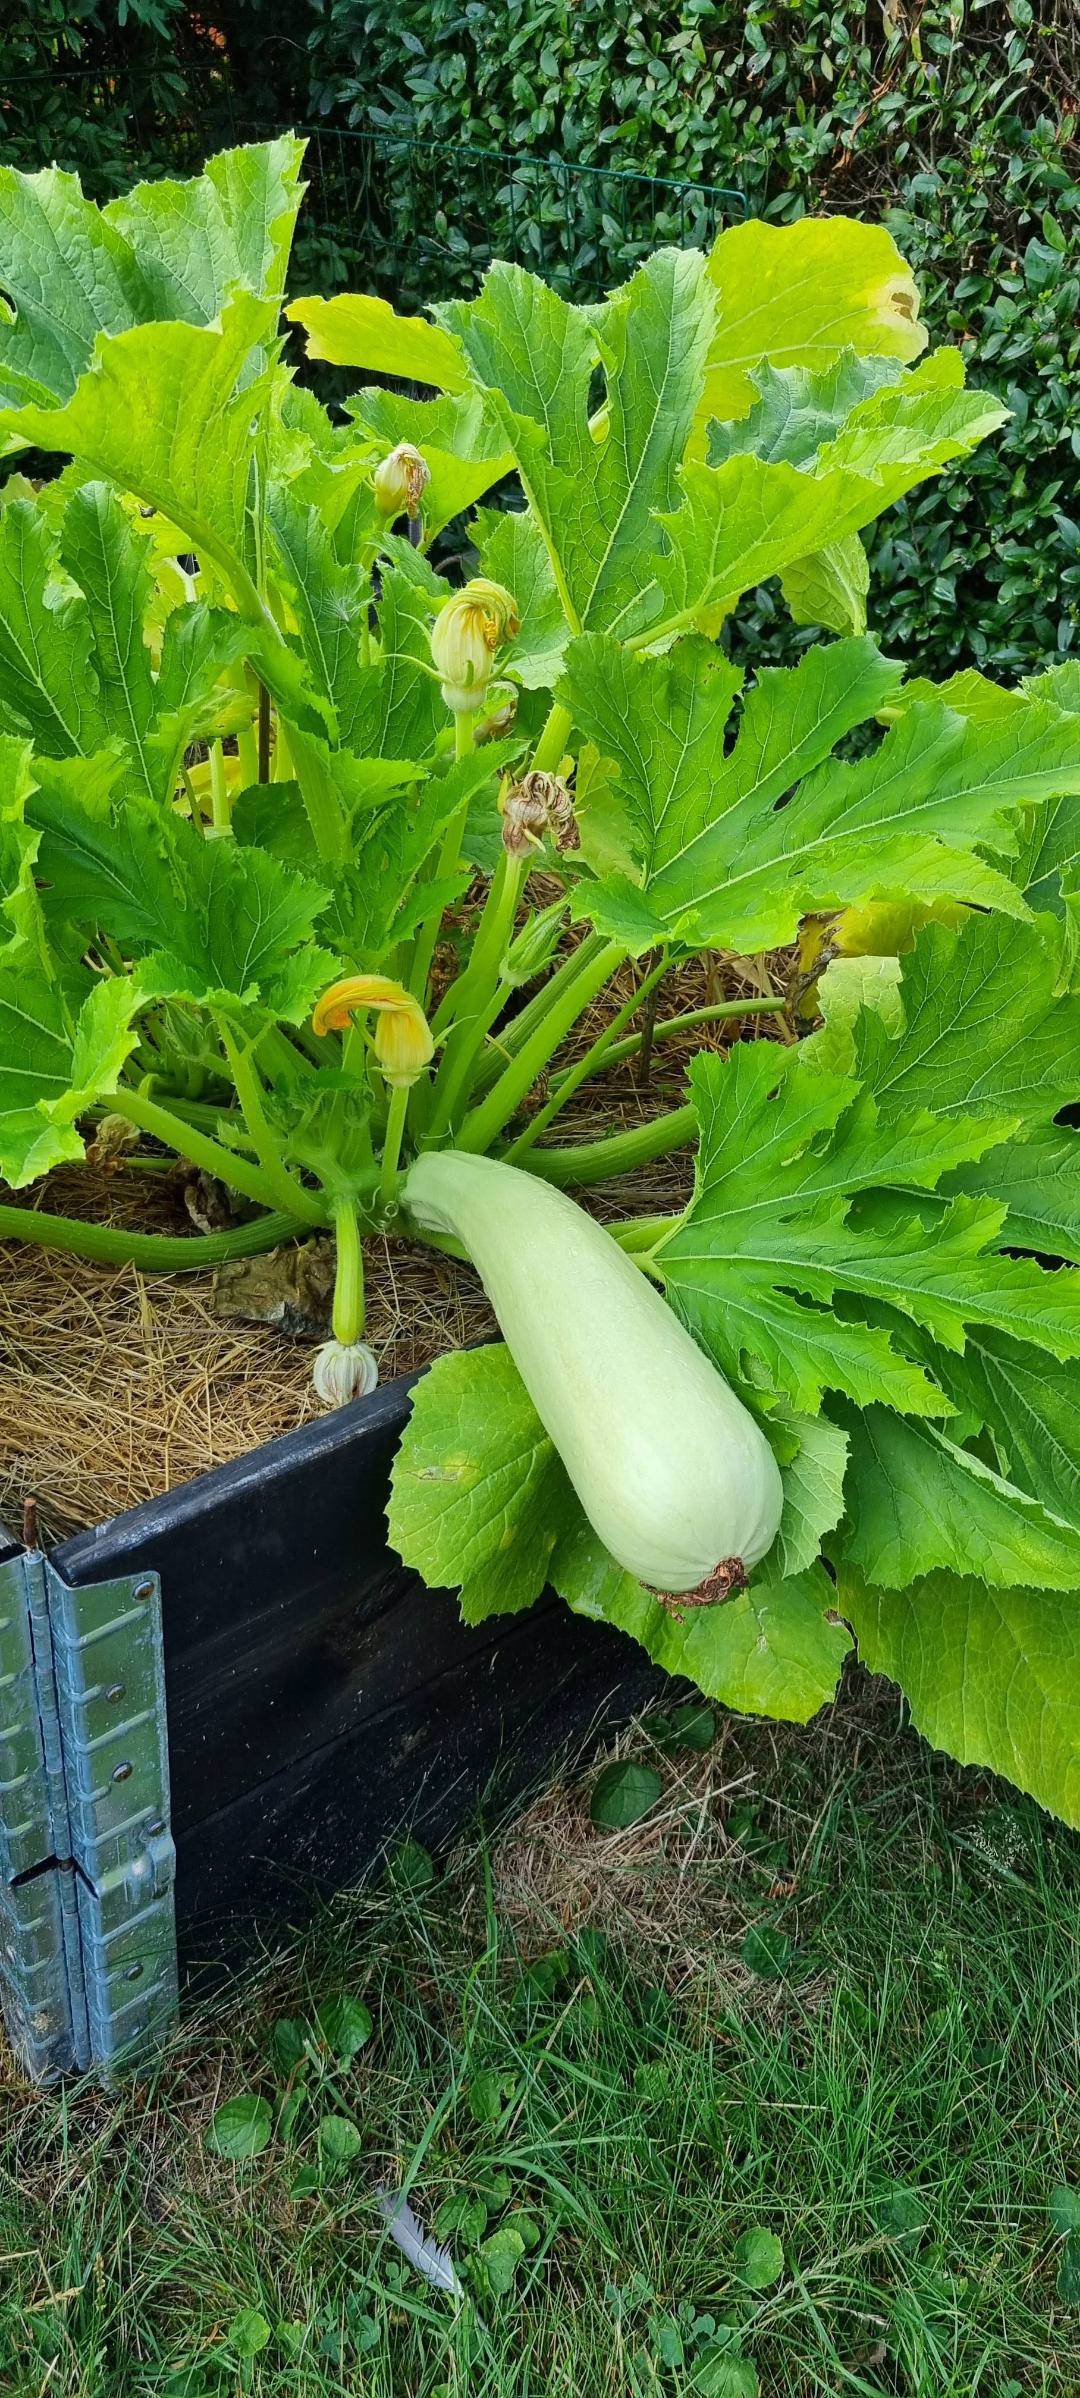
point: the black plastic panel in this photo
(320, 1699)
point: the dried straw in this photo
(115, 1385)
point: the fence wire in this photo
(409, 218)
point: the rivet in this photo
(158, 1825)
(133, 1973)
(144, 1588)
(115, 1692)
(122, 1773)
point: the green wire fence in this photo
(419, 219)
(410, 218)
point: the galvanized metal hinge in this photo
(87, 1937)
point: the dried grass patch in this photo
(680, 1885)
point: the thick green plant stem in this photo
(478, 995)
(176, 1133)
(395, 1128)
(348, 1316)
(457, 1089)
(247, 750)
(194, 1111)
(286, 1191)
(594, 1060)
(152, 1252)
(724, 1011)
(512, 1036)
(552, 743)
(489, 942)
(473, 1003)
(221, 812)
(641, 1233)
(619, 1153)
(446, 863)
(485, 1122)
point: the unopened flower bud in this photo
(536, 945)
(538, 804)
(403, 1041)
(343, 1371)
(500, 721)
(464, 638)
(399, 481)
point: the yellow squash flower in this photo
(400, 480)
(403, 1042)
(464, 638)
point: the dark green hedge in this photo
(123, 88)
(951, 120)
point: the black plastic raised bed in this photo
(221, 1704)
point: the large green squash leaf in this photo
(49, 685)
(63, 1047)
(993, 1676)
(797, 410)
(596, 490)
(71, 271)
(604, 411)
(795, 295)
(1027, 1403)
(772, 1238)
(987, 1032)
(774, 1649)
(746, 519)
(233, 923)
(355, 329)
(78, 610)
(733, 845)
(1039, 1181)
(479, 1494)
(919, 1502)
(168, 412)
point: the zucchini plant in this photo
(256, 746)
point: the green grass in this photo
(896, 2106)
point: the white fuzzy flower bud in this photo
(342, 1372)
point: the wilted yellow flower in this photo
(399, 481)
(464, 637)
(403, 1042)
(539, 803)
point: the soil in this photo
(116, 1385)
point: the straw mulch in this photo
(116, 1385)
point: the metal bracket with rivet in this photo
(110, 1686)
(87, 1939)
(40, 1964)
